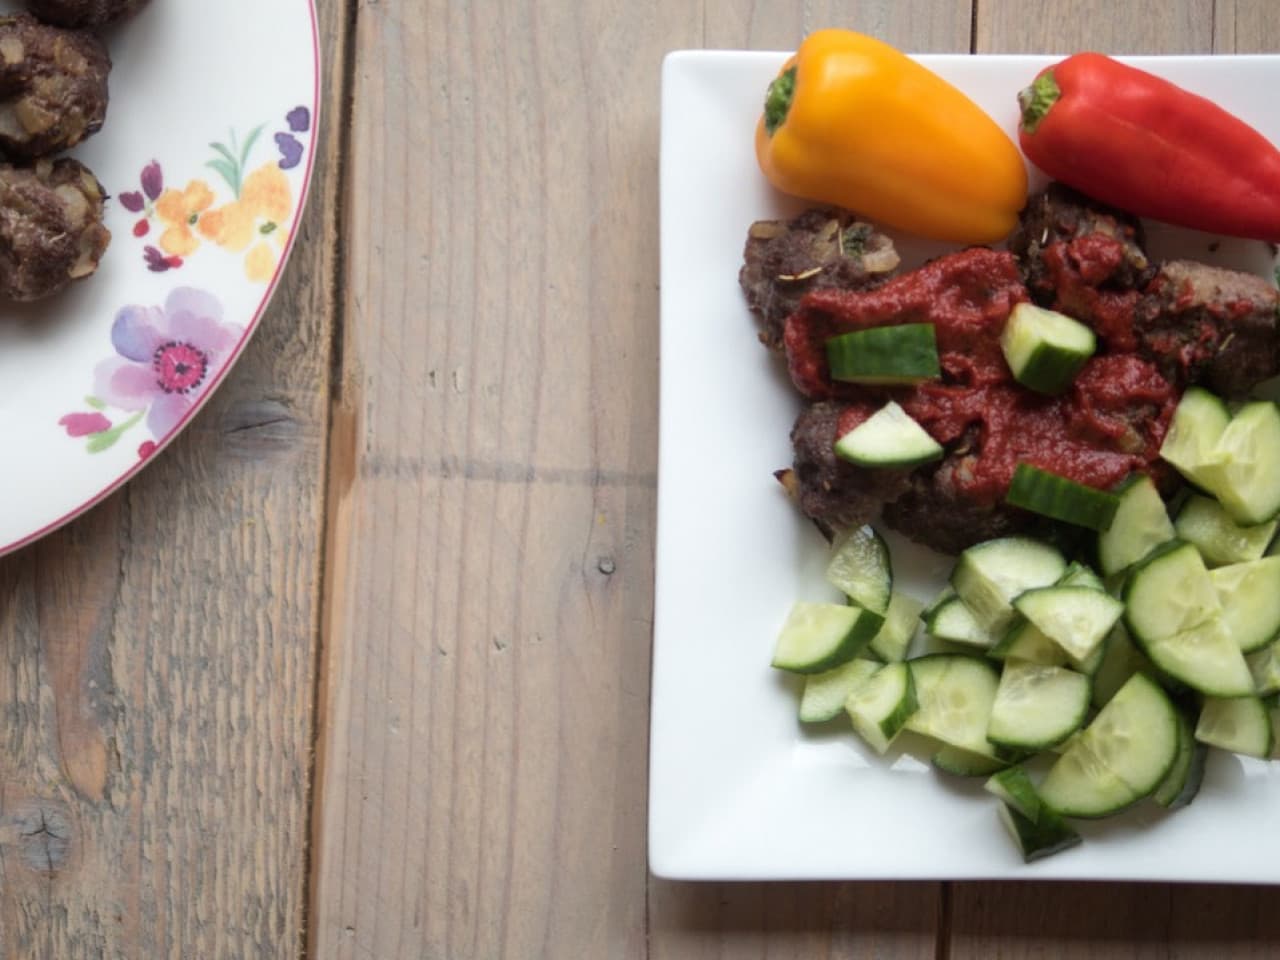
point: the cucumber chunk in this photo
(880, 705)
(955, 693)
(954, 621)
(960, 762)
(1121, 661)
(1241, 725)
(888, 438)
(1244, 468)
(1076, 618)
(894, 639)
(1204, 658)
(1014, 787)
(1037, 706)
(1078, 574)
(1051, 495)
(860, 566)
(1120, 758)
(1182, 782)
(989, 575)
(825, 693)
(1045, 349)
(1139, 526)
(906, 353)
(1264, 665)
(1025, 641)
(1037, 839)
(1250, 597)
(1198, 423)
(1169, 592)
(1219, 538)
(819, 636)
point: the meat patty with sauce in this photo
(82, 13)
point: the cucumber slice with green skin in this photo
(1219, 538)
(1244, 468)
(1076, 618)
(820, 636)
(955, 693)
(1120, 662)
(860, 566)
(1025, 641)
(954, 621)
(1013, 786)
(1140, 524)
(888, 438)
(1037, 706)
(1169, 592)
(1205, 658)
(1051, 495)
(1241, 725)
(1089, 665)
(894, 639)
(880, 705)
(903, 354)
(825, 693)
(1079, 575)
(1120, 758)
(1182, 782)
(1045, 349)
(1037, 839)
(947, 593)
(989, 575)
(1264, 665)
(1250, 598)
(960, 762)
(1198, 423)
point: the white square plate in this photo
(738, 790)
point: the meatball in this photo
(51, 229)
(82, 13)
(53, 87)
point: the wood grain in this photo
(1020, 921)
(157, 665)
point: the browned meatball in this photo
(82, 13)
(53, 87)
(51, 230)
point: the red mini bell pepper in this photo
(1141, 143)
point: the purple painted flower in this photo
(133, 201)
(167, 357)
(84, 424)
(290, 150)
(152, 180)
(157, 262)
(299, 119)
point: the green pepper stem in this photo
(1036, 100)
(777, 101)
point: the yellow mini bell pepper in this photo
(852, 122)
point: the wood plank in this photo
(159, 660)
(1104, 921)
(827, 920)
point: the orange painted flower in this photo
(180, 211)
(257, 219)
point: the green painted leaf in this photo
(106, 439)
(95, 403)
(248, 145)
(228, 173)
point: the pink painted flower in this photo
(84, 424)
(167, 357)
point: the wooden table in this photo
(359, 667)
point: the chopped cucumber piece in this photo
(1241, 725)
(1204, 658)
(825, 693)
(1244, 468)
(1076, 618)
(1025, 641)
(1014, 787)
(860, 566)
(1120, 758)
(1041, 838)
(1181, 784)
(1250, 598)
(1120, 662)
(1169, 592)
(1198, 423)
(888, 438)
(1219, 538)
(880, 705)
(820, 636)
(1045, 349)
(1079, 575)
(955, 693)
(1051, 495)
(1139, 526)
(954, 621)
(960, 762)
(1089, 665)
(989, 575)
(1264, 665)
(1037, 706)
(894, 639)
(907, 353)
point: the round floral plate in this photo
(207, 156)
